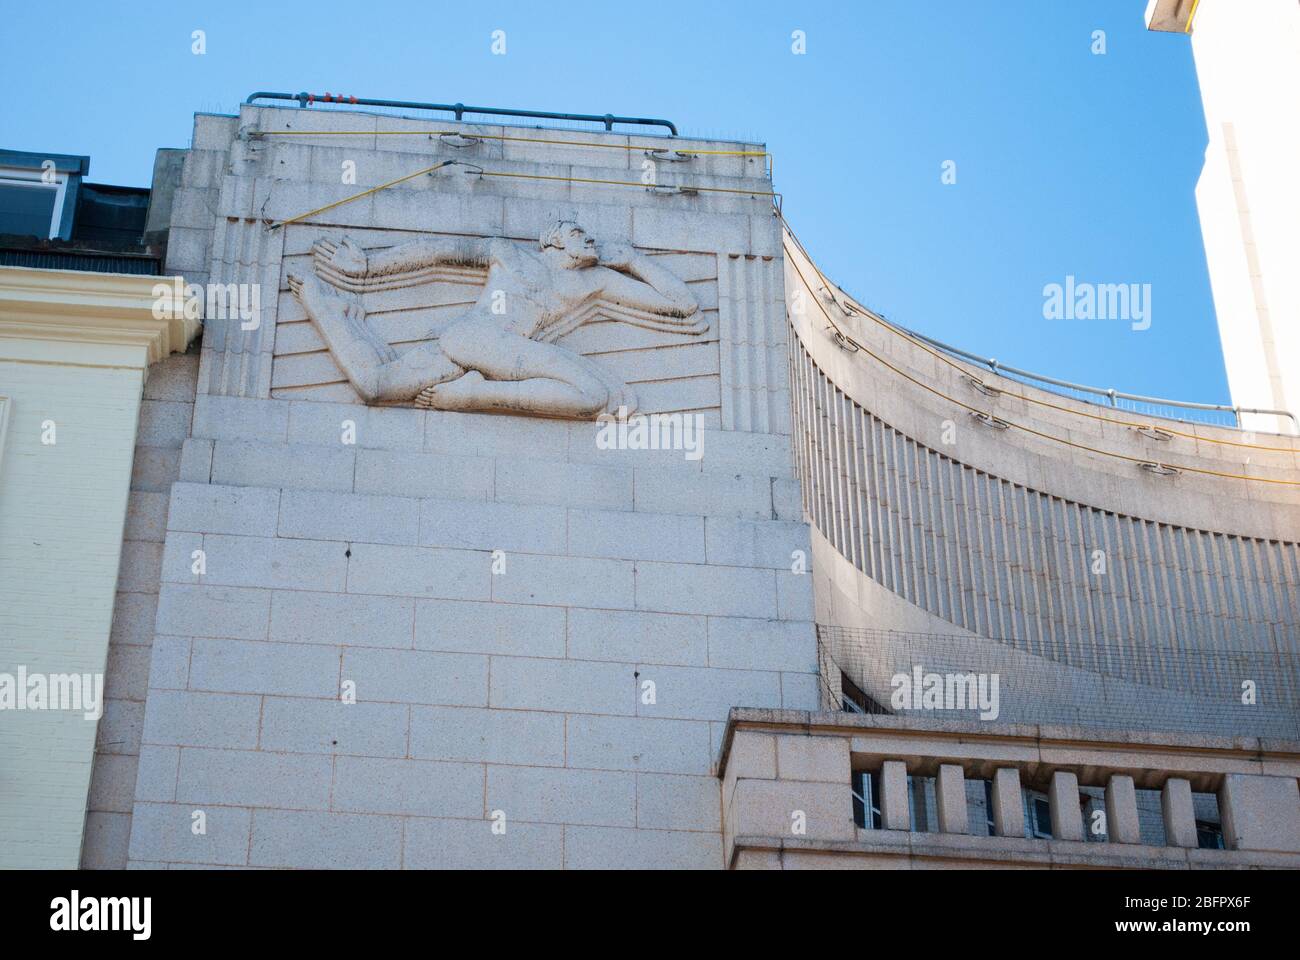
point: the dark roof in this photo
(102, 228)
(29, 160)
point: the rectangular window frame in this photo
(35, 180)
(1034, 830)
(865, 787)
(1209, 835)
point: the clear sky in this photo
(1067, 162)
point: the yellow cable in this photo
(358, 196)
(626, 183)
(526, 176)
(771, 162)
(1030, 430)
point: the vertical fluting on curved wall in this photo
(1005, 561)
(1018, 565)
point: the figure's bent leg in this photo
(371, 365)
(418, 369)
(521, 374)
(538, 396)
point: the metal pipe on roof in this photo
(305, 99)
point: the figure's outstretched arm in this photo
(427, 252)
(640, 283)
(346, 265)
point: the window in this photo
(29, 205)
(1209, 836)
(1038, 815)
(854, 700)
(922, 803)
(1091, 802)
(1209, 821)
(866, 797)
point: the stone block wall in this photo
(542, 638)
(165, 414)
(522, 691)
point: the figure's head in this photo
(571, 242)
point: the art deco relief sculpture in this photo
(501, 355)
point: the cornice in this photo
(84, 307)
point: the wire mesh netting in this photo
(1224, 691)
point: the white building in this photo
(1248, 63)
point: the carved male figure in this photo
(498, 355)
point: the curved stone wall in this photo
(1064, 447)
(1003, 560)
(1034, 535)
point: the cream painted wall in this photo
(62, 508)
(74, 353)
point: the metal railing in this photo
(459, 110)
(1152, 406)
(1155, 406)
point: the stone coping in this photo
(540, 128)
(1009, 852)
(823, 722)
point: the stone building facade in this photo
(541, 636)
(534, 501)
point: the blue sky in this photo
(1067, 162)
